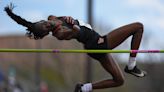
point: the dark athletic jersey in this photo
(90, 40)
(88, 37)
(82, 36)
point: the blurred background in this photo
(45, 72)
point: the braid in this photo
(34, 30)
(17, 18)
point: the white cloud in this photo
(150, 12)
(69, 3)
(149, 4)
(10, 28)
(160, 22)
(153, 22)
(3, 27)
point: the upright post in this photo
(89, 63)
(37, 67)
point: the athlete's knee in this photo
(119, 81)
(139, 26)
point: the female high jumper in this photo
(66, 28)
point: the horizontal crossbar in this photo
(77, 51)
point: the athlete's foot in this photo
(135, 71)
(78, 87)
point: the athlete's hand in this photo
(69, 20)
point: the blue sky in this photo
(114, 13)
(35, 10)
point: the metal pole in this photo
(89, 62)
(37, 68)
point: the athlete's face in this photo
(54, 24)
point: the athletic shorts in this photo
(90, 40)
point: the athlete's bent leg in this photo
(109, 64)
(117, 36)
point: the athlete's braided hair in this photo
(34, 30)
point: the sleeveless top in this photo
(88, 37)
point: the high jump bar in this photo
(77, 51)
